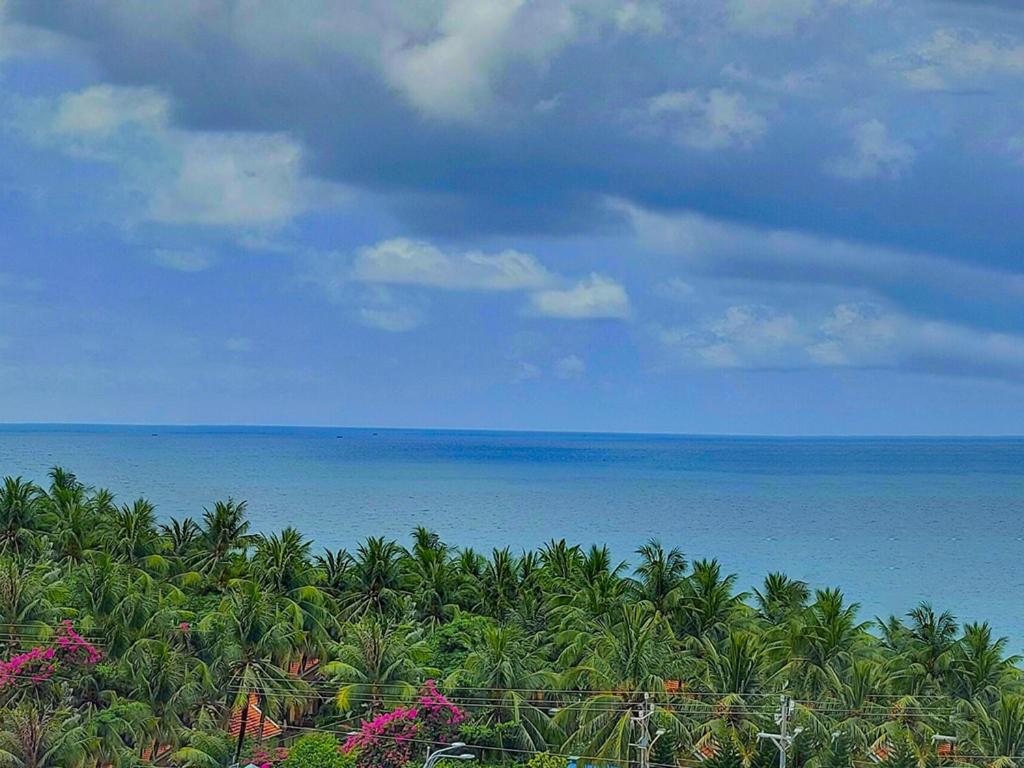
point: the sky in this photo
(742, 217)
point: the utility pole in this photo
(783, 740)
(641, 723)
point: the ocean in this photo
(892, 521)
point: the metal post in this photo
(783, 740)
(644, 741)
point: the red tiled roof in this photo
(252, 722)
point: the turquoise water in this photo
(891, 521)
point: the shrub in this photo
(388, 740)
(316, 750)
(547, 760)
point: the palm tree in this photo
(435, 585)
(223, 536)
(560, 560)
(707, 604)
(506, 667)
(169, 682)
(377, 664)
(133, 537)
(20, 514)
(660, 574)
(250, 639)
(500, 584)
(980, 669)
(782, 598)
(378, 584)
(35, 737)
(824, 638)
(933, 638)
(998, 732)
(73, 518)
(626, 654)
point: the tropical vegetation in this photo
(129, 639)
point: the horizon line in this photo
(9, 425)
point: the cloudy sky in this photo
(746, 216)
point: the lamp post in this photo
(447, 753)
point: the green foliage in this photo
(451, 643)
(546, 760)
(549, 652)
(317, 750)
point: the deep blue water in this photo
(891, 521)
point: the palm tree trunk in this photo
(244, 723)
(263, 719)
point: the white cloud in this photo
(452, 75)
(956, 58)
(238, 344)
(229, 179)
(675, 289)
(723, 249)
(744, 336)
(100, 110)
(706, 120)
(416, 262)
(595, 296)
(393, 319)
(769, 17)
(765, 18)
(850, 335)
(526, 371)
(643, 17)
(867, 336)
(570, 367)
(233, 179)
(181, 260)
(874, 154)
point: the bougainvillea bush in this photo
(38, 665)
(390, 740)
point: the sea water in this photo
(890, 521)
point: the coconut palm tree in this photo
(21, 514)
(506, 667)
(224, 536)
(377, 664)
(378, 584)
(980, 669)
(998, 731)
(624, 657)
(781, 598)
(250, 639)
(660, 575)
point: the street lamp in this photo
(447, 753)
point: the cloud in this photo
(706, 120)
(956, 59)
(743, 337)
(416, 262)
(769, 17)
(233, 180)
(182, 260)
(451, 76)
(526, 371)
(98, 111)
(239, 344)
(595, 296)
(393, 320)
(570, 367)
(851, 335)
(208, 178)
(719, 248)
(874, 154)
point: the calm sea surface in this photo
(891, 521)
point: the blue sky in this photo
(748, 216)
